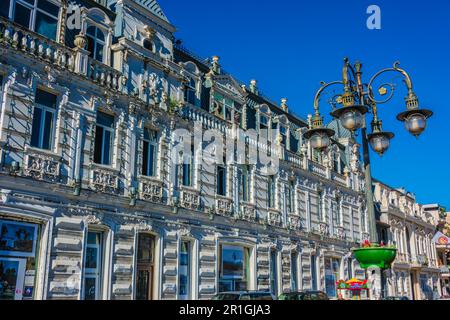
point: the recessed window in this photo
(44, 118)
(104, 136)
(244, 183)
(294, 271)
(92, 275)
(149, 153)
(290, 197)
(184, 272)
(95, 43)
(148, 44)
(234, 268)
(190, 92)
(145, 266)
(40, 16)
(271, 192)
(274, 272)
(283, 132)
(332, 274)
(221, 180)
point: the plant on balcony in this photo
(371, 255)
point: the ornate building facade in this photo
(94, 205)
(415, 273)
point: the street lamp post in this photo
(357, 101)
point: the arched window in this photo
(190, 93)
(148, 44)
(96, 43)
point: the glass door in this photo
(145, 266)
(184, 271)
(93, 266)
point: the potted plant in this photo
(375, 255)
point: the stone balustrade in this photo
(295, 222)
(104, 75)
(318, 169)
(104, 179)
(274, 218)
(42, 167)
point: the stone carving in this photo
(295, 222)
(322, 228)
(104, 181)
(94, 219)
(190, 199)
(224, 206)
(248, 212)
(42, 167)
(152, 190)
(274, 218)
(340, 233)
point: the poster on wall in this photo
(17, 239)
(11, 278)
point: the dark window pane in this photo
(48, 7)
(107, 148)
(36, 130)
(100, 35)
(90, 46)
(22, 15)
(89, 288)
(91, 31)
(46, 25)
(99, 52)
(98, 145)
(91, 258)
(105, 119)
(152, 161)
(145, 159)
(186, 175)
(4, 8)
(45, 98)
(48, 129)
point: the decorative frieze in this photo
(295, 222)
(248, 212)
(339, 232)
(151, 190)
(322, 228)
(274, 218)
(190, 199)
(42, 167)
(103, 180)
(224, 206)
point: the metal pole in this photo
(371, 219)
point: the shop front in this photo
(18, 259)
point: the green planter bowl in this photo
(380, 257)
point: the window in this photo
(96, 43)
(44, 118)
(244, 184)
(150, 152)
(104, 136)
(294, 273)
(145, 266)
(234, 268)
(271, 192)
(185, 271)
(190, 92)
(148, 44)
(40, 16)
(221, 180)
(290, 197)
(349, 268)
(320, 207)
(313, 273)
(274, 272)
(337, 212)
(283, 132)
(264, 126)
(336, 163)
(92, 266)
(332, 273)
(187, 169)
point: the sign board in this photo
(441, 239)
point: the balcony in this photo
(318, 169)
(340, 179)
(56, 55)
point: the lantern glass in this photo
(416, 124)
(352, 119)
(320, 141)
(379, 143)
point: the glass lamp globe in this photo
(351, 120)
(416, 124)
(380, 141)
(320, 140)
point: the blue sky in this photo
(290, 46)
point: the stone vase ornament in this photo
(80, 41)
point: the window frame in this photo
(34, 9)
(112, 131)
(44, 110)
(101, 255)
(271, 192)
(223, 186)
(152, 168)
(189, 269)
(97, 41)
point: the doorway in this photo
(145, 266)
